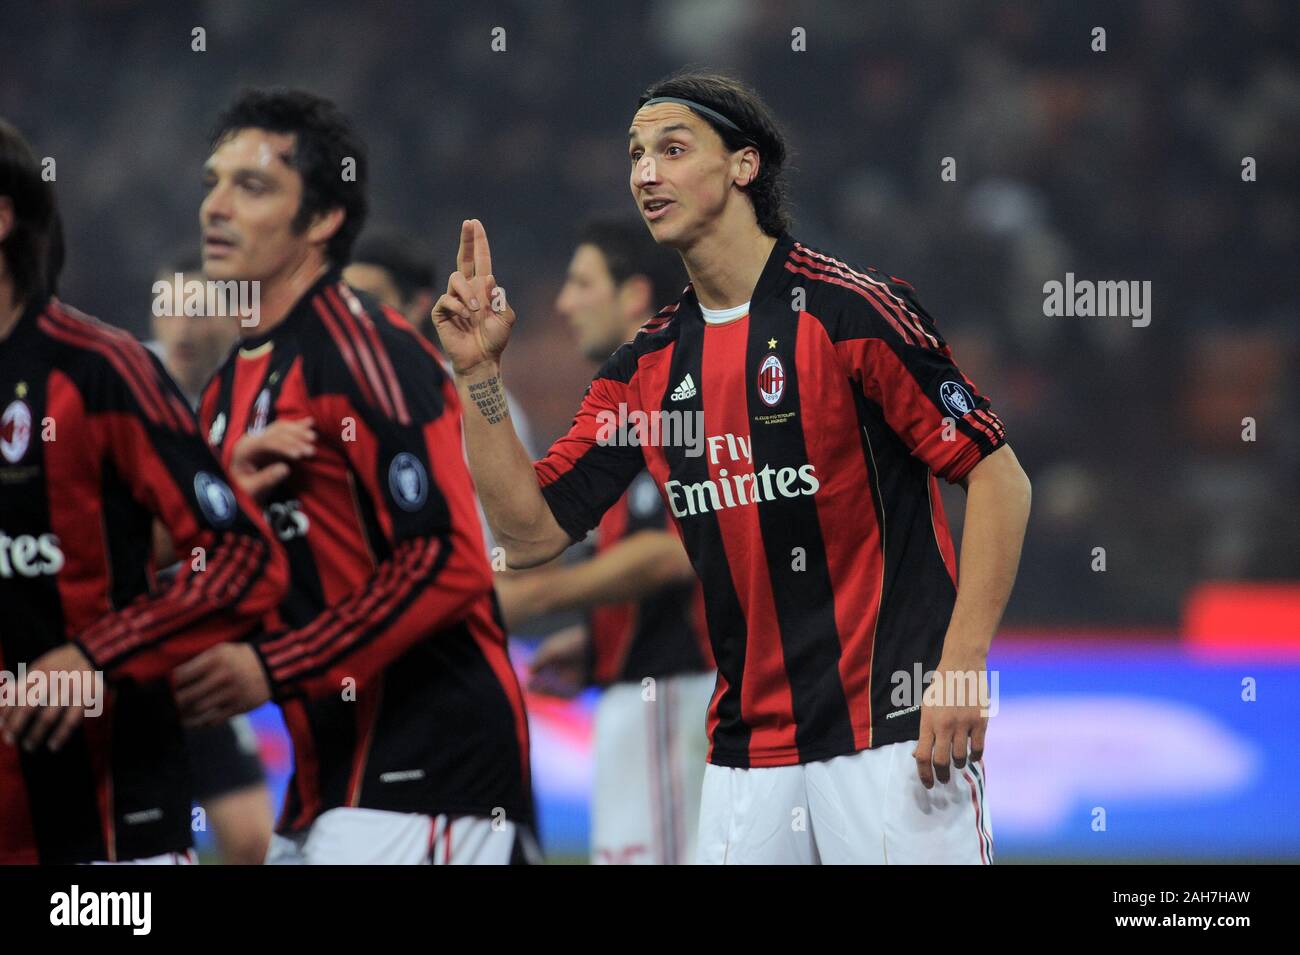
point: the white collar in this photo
(720, 316)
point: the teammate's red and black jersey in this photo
(388, 656)
(95, 444)
(806, 496)
(662, 635)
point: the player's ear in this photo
(746, 167)
(325, 224)
(6, 217)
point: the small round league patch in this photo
(216, 500)
(408, 482)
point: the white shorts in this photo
(167, 858)
(649, 769)
(865, 808)
(348, 836)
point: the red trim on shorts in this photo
(979, 826)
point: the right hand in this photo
(261, 461)
(558, 667)
(473, 319)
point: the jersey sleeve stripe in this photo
(121, 635)
(239, 561)
(328, 626)
(357, 624)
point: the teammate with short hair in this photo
(828, 403)
(645, 642)
(388, 657)
(398, 269)
(95, 445)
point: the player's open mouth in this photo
(216, 246)
(656, 208)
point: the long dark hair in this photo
(33, 249)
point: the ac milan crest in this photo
(15, 431)
(771, 380)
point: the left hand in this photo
(947, 723)
(221, 682)
(53, 719)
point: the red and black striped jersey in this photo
(797, 448)
(95, 444)
(388, 657)
(662, 635)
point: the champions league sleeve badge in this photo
(408, 482)
(956, 398)
(216, 500)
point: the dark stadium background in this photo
(1121, 690)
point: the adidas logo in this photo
(684, 390)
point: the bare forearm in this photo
(997, 511)
(503, 473)
(632, 569)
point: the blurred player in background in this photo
(95, 445)
(388, 658)
(229, 782)
(645, 642)
(398, 269)
(794, 412)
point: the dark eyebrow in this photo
(631, 133)
(243, 174)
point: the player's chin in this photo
(218, 268)
(665, 232)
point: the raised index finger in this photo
(466, 253)
(482, 253)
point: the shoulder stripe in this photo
(832, 280)
(330, 321)
(884, 292)
(658, 320)
(389, 376)
(352, 327)
(127, 357)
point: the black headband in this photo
(700, 108)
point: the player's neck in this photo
(281, 293)
(10, 308)
(725, 265)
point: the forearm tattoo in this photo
(491, 399)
